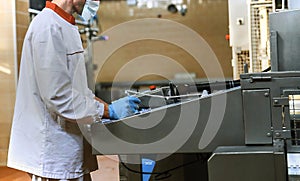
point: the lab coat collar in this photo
(69, 18)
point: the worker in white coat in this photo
(53, 97)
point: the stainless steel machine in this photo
(249, 131)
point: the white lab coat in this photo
(52, 93)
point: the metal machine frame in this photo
(250, 136)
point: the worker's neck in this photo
(65, 5)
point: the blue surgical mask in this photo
(90, 9)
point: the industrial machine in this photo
(244, 130)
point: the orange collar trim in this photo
(69, 18)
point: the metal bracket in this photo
(282, 134)
(260, 78)
(274, 50)
(278, 145)
(280, 101)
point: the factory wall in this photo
(22, 20)
(208, 18)
(7, 73)
(14, 23)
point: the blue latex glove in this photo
(124, 107)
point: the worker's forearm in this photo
(106, 111)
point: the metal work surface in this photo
(256, 127)
(198, 125)
(249, 129)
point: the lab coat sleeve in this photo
(58, 79)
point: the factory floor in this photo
(108, 170)
(8, 174)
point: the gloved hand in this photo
(123, 107)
